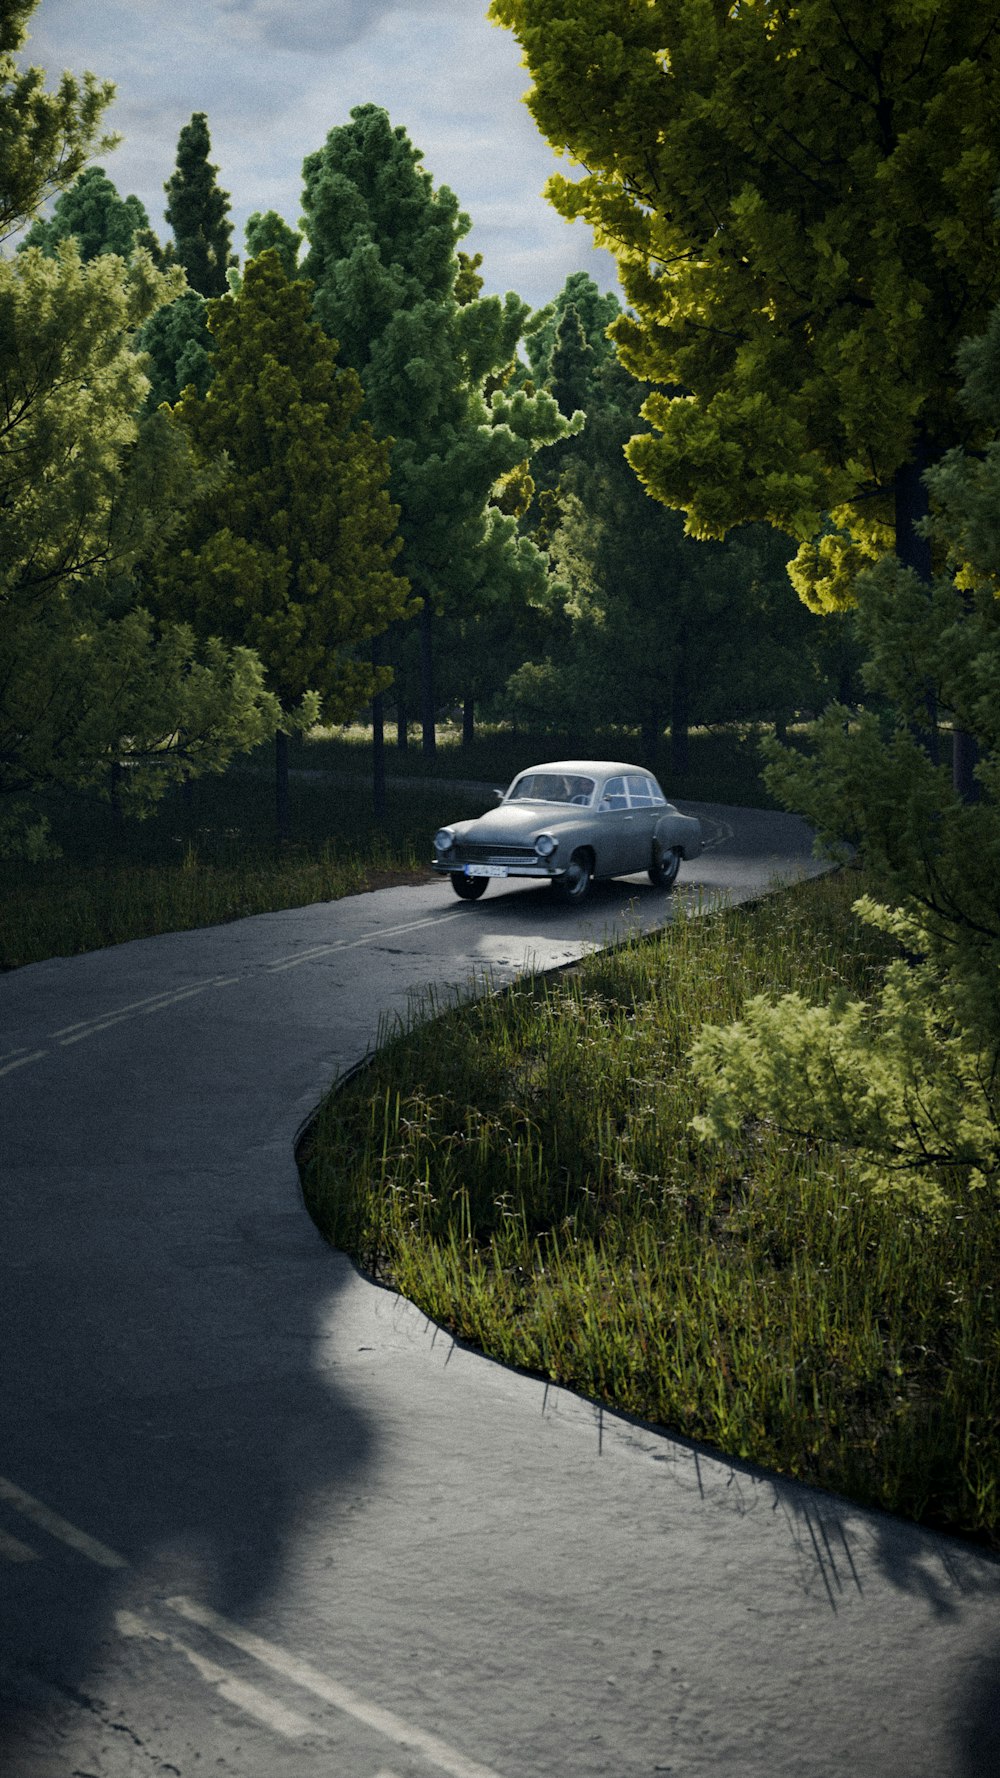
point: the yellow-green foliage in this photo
(86, 488)
(799, 199)
(914, 1085)
(45, 137)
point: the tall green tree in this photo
(292, 555)
(90, 682)
(178, 348)
(383, 252)
(664, 628)
(271, 230)
(92, 211)
(594, 312)
(911, 1083)
(799, 202)
(198, 211)
(46, 138)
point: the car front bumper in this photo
(486, 869)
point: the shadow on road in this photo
(161, 1284)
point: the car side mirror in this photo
(498, 794)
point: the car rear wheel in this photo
(469, 888)
(574, 883)
(664, 868)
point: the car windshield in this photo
(551, 787)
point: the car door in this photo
(644, 810)
(613, 829)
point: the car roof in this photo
(594, 768)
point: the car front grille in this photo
(467, 852)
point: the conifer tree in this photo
(178, 348)
(92, 211)
(292, 556)
(271, 230)
(391, 287)
(198, 212)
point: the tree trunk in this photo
(964, 759)
(650, 730)
(282, 806)
(468, 720)
(429, 733)
(679, 752)
(117, 812)
(912, 506)
(378, 741)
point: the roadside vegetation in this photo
(524, 1169)
(210, 855)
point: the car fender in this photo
(678, 832)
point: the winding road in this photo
(259, 1518)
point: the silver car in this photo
(570, 822)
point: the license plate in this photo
(486, 870)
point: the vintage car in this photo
(570, 822)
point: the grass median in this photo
(523, 1169)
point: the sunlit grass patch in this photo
(524, 1170)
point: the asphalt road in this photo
(260, 1518)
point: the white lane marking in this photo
(13, 1550)
(155, 1003)
(47, 1520)
(385, 1722)
(248, 1698)
(312, 953)
(22, 1061)
(130, 1006)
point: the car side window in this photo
(614, 794)
(640, 792)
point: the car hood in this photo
(520, 822)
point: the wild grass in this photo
(212, 857)
(523, 1169)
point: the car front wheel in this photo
(664, 868)
(574, 883)
(469, 888)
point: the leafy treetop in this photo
(198, 211)
(292, 555)
(799, 199)
(92, 211)
(46, 138)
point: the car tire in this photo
(664, 868)
(468, 888)
(574, 884)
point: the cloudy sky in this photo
(274, 76)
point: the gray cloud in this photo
(322, 26)
(275, 77)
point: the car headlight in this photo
(444, 839)
(545, 845)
